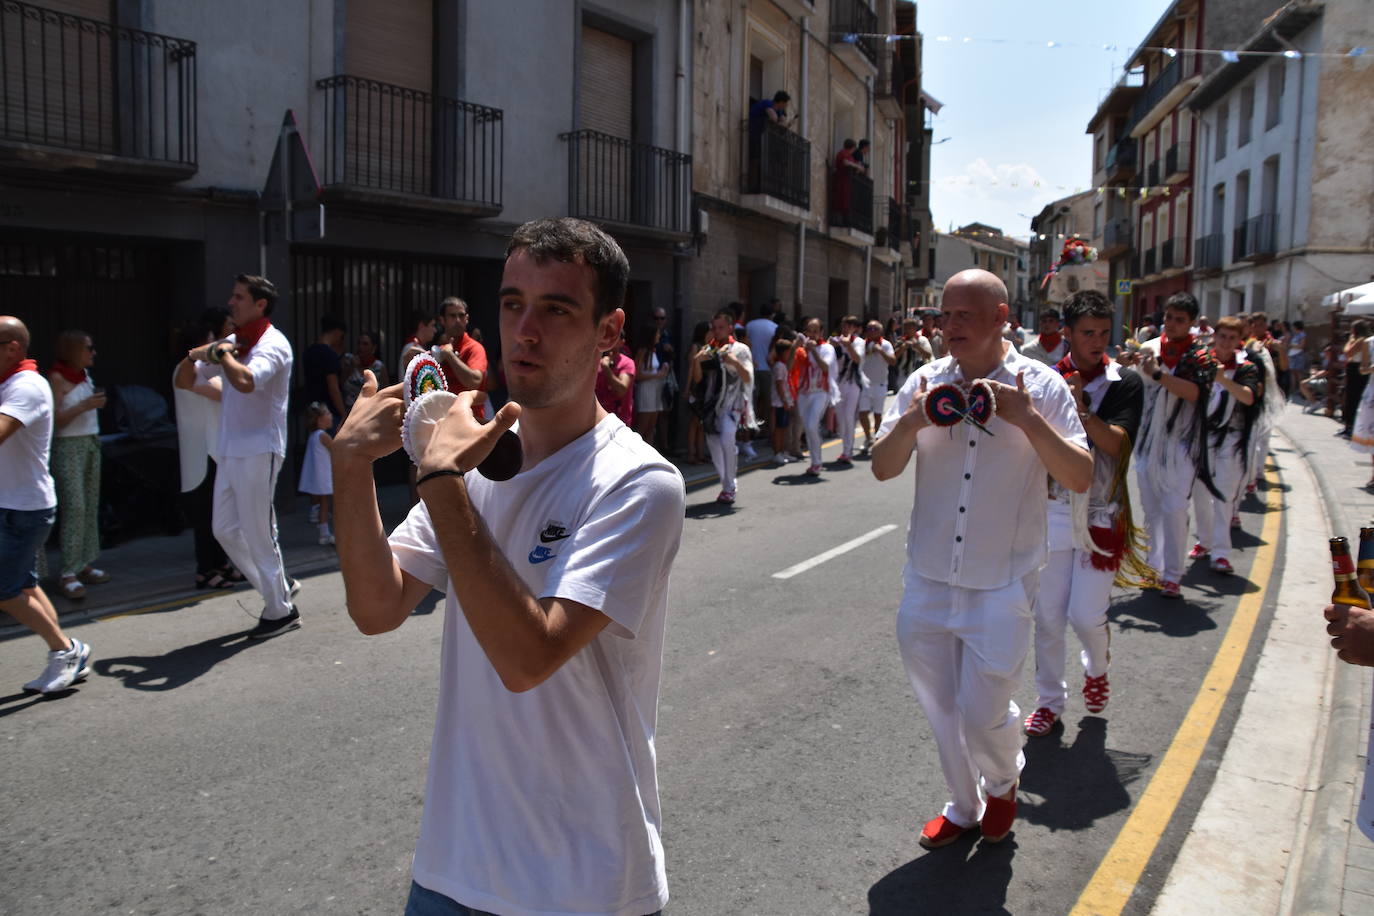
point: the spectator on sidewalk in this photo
(317, 479)
(256, 360)
(760, 331)
(76, 461)
(976, 545)
(814, 386)
(198, 416)
(1357, 360)
(615, 383)
(696, 432)
(462, 356)
(422, 325)
(542, 794)
(363, 357)
(650, 376)
(28, 507)
(323, 367)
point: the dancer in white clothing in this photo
(256, 360)
(977, 542)
(317, 479)
(731, 395)
(878, 356)
(849, 356)
(813, 385)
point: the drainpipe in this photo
(803, 95)
(1293, 197)
(684, 129)
(868, 249)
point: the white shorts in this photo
(871, 399)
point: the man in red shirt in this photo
(463, 359)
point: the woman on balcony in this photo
(842, 196)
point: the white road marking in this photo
(833, 552)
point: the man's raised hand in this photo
(1013, 404)
(460, 442)
(372, 429)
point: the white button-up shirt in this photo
(979, 517)
(255, 423)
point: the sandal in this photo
(213, 579)
(72, 588)
(92, 576)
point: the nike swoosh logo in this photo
(551, 538)
(541, 554)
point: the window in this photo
(1246, 115)
(1182, 250)
(1274, 98)
(1223, 116)
(1097, 218)
(1269, 186)
(1219, 209)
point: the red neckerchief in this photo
(1171, 351)
(718, 344)
(1067, 367)
(412, 339)
(24, 365)
(1228, 366)
(1050, 342)
(249, 334)
(69, 372)
(801, 369)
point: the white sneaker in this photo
(326, 540)
(65, 667)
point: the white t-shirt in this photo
(873, 365)
(546, 801)
(25, 483)
(761, 331)
(255, 423)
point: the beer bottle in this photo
(1348, 590)
(1364, 564)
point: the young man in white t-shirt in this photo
(28, 506)
(542, 794)
(878, 355)
(256, 360)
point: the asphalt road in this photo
(195, 773)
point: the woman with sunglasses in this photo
(76, 461)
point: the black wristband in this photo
(443, 472)
(1157, 374)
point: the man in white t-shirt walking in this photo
(878, 355)
(28, 507)
(542, 795)
(256, 360)
(976, 544)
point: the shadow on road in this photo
(1076, 784)
(796, 480)
(1150, 613)
(712, 509)
(18, 702)
(175, 669)
(428, 603)
(971, 872)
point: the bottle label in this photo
(1343, 567)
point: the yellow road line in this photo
(179, 602)
(1116, 877)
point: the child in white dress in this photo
(317, 474)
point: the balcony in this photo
(1165, 92)
(1149, 263)
(1152, 176)
(80, 95)
(1178, 162)
(1121, 160)
(797, 8)
(1210, 252)
(1166, 255)
(853, 31)
(895, 229)
(776, 170)
(851, 209)
(1257, 239)
(1116, 237)
(398, 148)
(890, 82)
(632, 187)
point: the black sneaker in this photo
(266, 629)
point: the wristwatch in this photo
(1157, 374)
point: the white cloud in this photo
(992, 194)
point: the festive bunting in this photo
(1226, 54)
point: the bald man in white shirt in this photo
(975, 547)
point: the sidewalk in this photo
(1275, 833)
(159, 571)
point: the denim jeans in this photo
(425, 902)
(22, 533)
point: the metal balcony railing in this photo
(1210, 251)
(1152, 175)
(854, 22)
(1117, 233)
(1178, 160)
(1122, 156)
(1168, 78)
(1166, 255)
(612, 179)
(1258, 236)
(1148, 262)
(898, 228)
(381, 137)
(852, 209)
(777, 162)
(80, 84)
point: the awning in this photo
(930, 102)
(1358, 300)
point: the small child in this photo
(317, 475)
(781, 398)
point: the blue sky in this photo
(1016, 110)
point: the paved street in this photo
(197, 773)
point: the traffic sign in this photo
(1123, 287)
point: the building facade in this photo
(1076, 216)
(1287, 213)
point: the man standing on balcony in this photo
(1176, 371)
(256, 360)
(463, 359)
(846, 166)
(761, 114)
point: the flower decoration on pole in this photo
(1075, 252)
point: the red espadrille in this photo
(1096, 692)
(941, 831)
(998, 817)
(1040, 722)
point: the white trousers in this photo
(964, 649)
(1072, 591)
(1213, 515)
(1259, 449)
(245, 524)
(724, 453)
(846, 415)
(1166, 523)
(810, 409)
